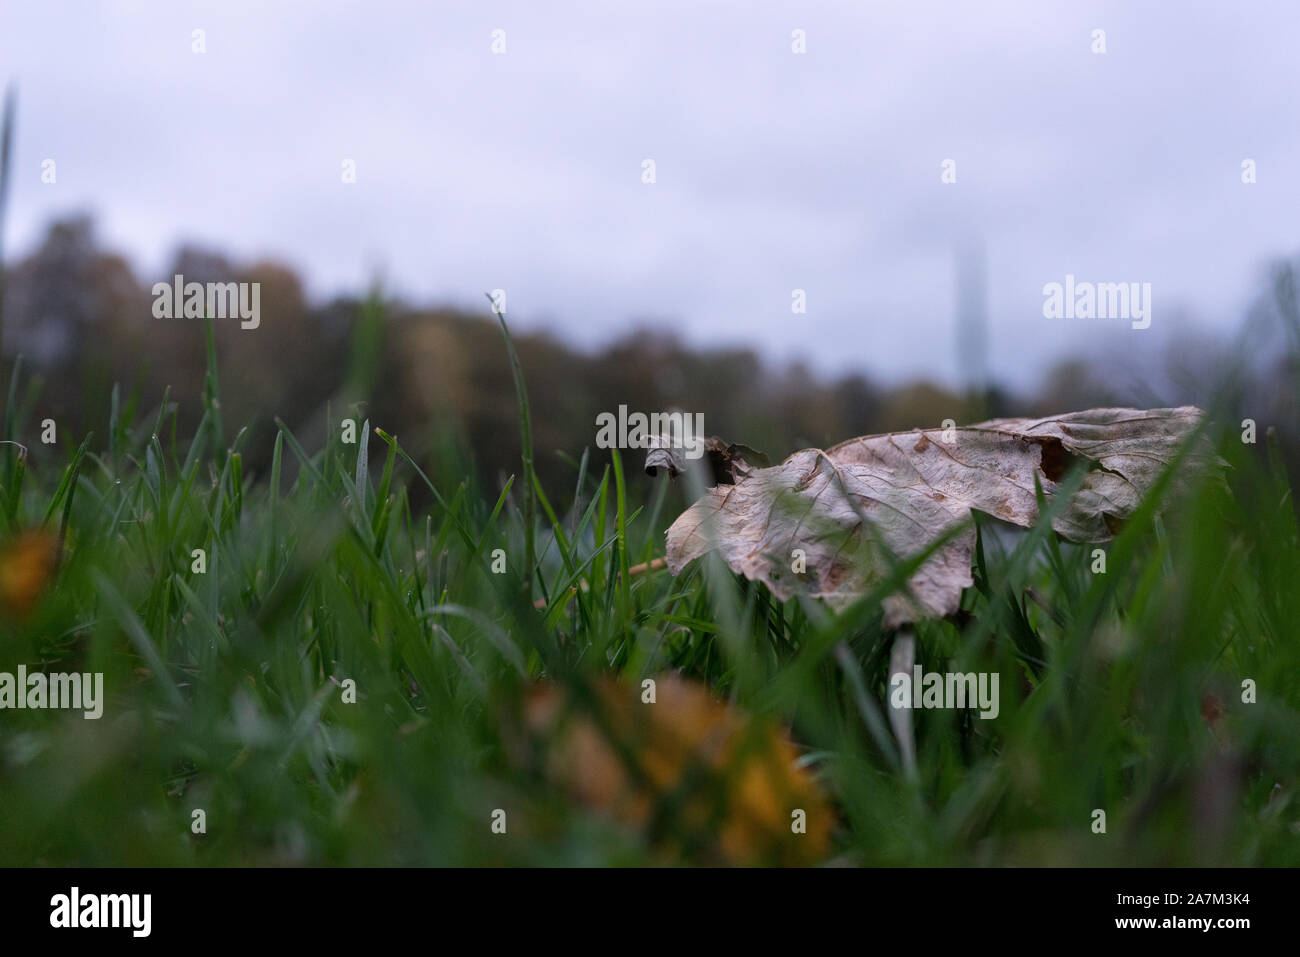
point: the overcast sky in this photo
(774, 170)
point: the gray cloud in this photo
(775, 171)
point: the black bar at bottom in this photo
(365, 906)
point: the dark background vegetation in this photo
(81, 318)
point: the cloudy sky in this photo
(774, 170)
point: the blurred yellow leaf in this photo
(26, 568)
(698, 776)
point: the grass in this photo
(227, 688)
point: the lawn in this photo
(311, 667)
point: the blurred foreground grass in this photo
(226, 689)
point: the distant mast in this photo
(972, 324)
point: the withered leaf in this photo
(825, 523)
(727, 464)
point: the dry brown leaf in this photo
(737, 791)
(846, 509)
(727, 464)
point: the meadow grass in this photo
(1120, 691)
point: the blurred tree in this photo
(440, 379)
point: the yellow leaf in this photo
(26, 567)
(697, 776)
